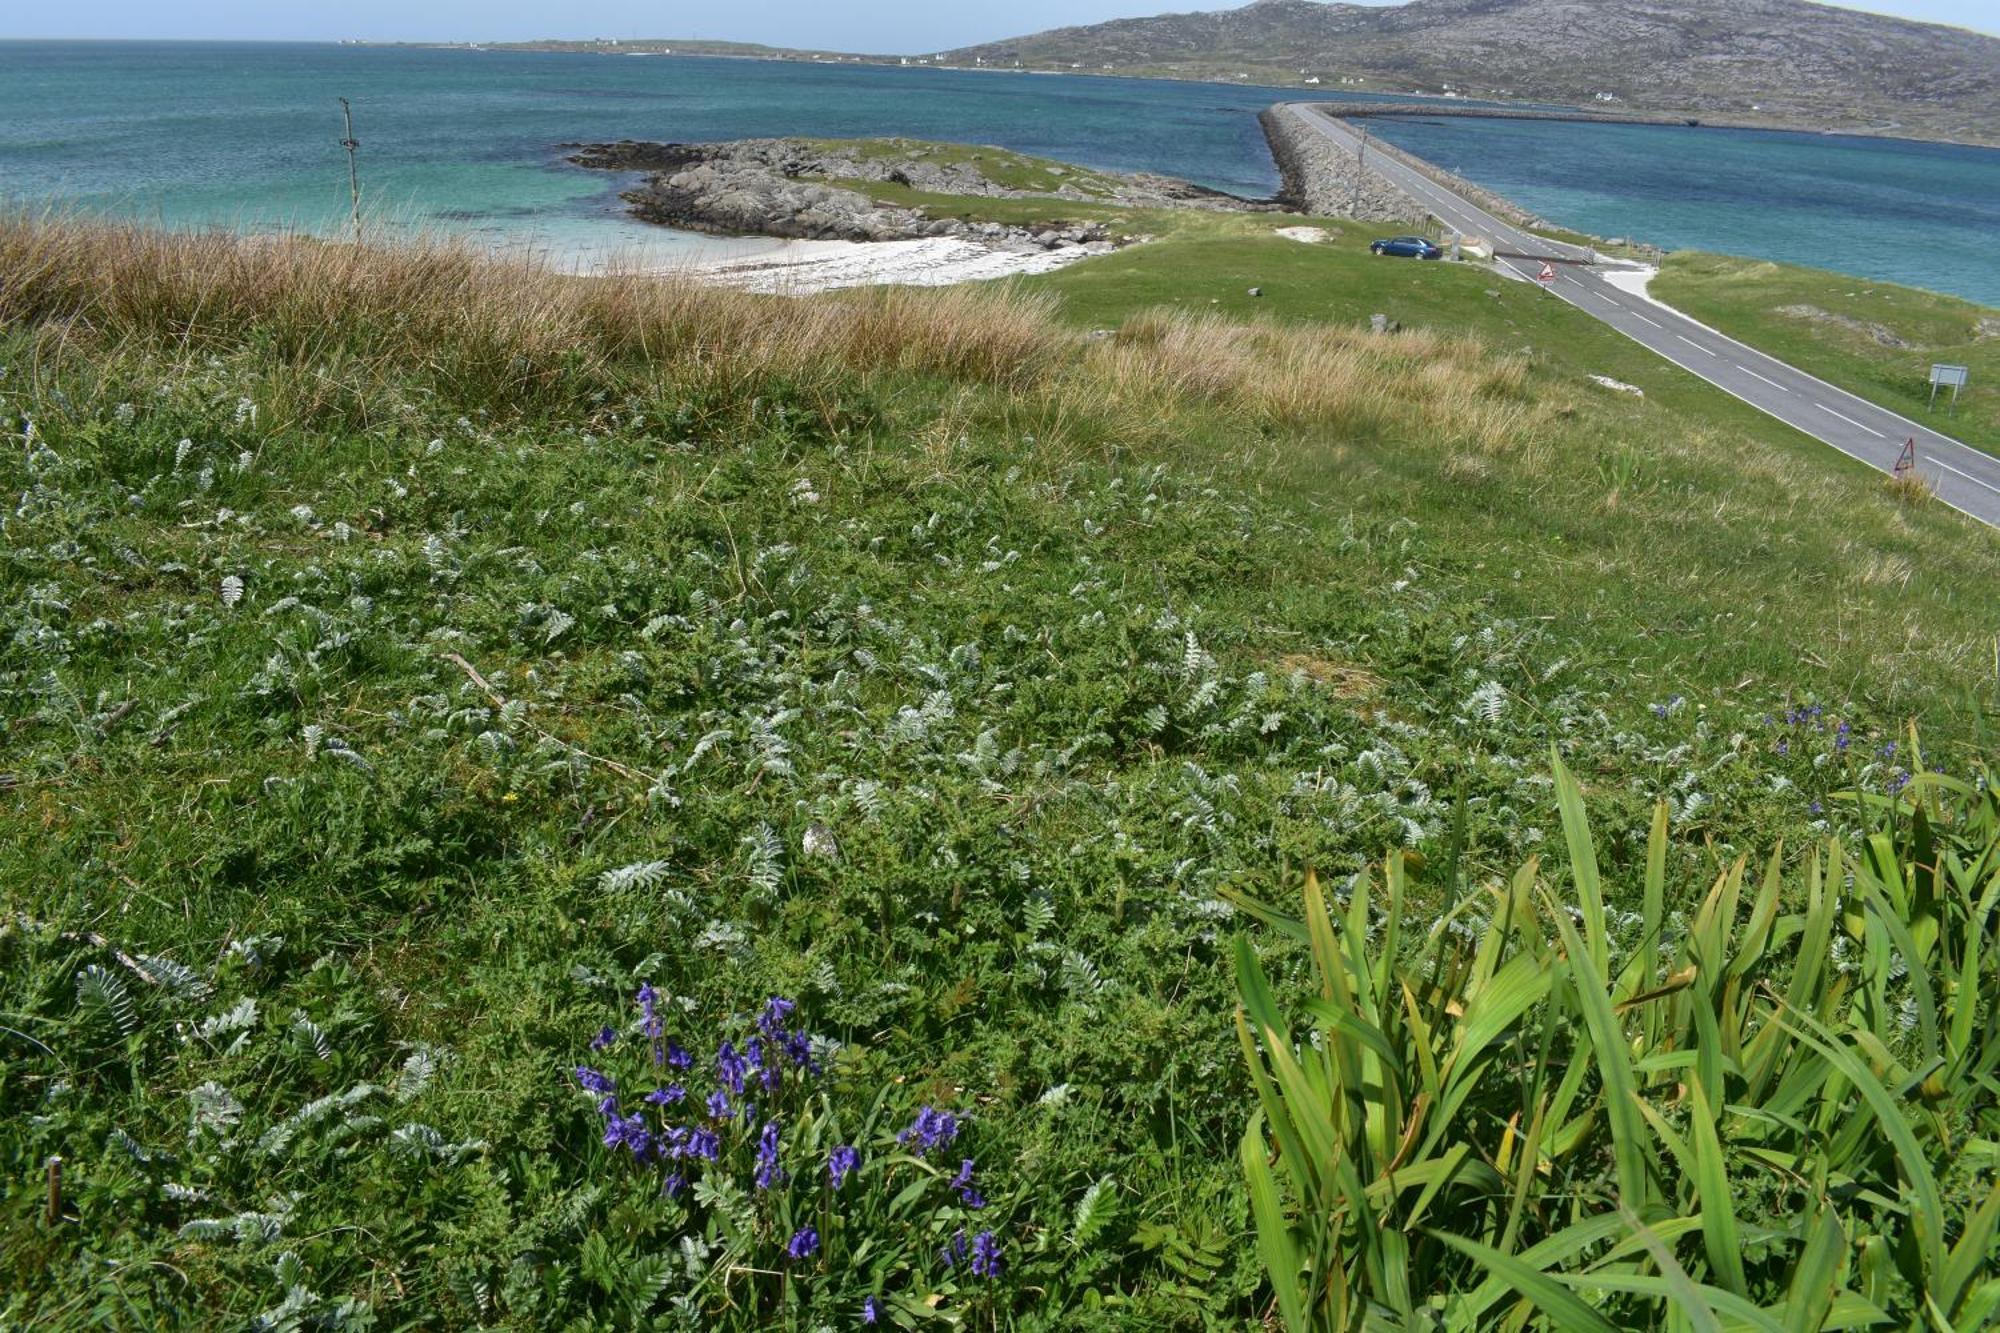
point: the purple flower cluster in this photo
(931, 1131)
(769, 1173)
(967, 1194)
(985, 1249)
(693, 1126)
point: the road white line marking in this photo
(1641, 318)
(1755, 376)
(1851, 421)
(1932, 462)
(1692, 343)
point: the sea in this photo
(470, 142)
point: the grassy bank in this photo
(406, 656)
(1874, 339)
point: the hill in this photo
(1785, 61)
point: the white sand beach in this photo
(804, 267)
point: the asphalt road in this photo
(1961, 476)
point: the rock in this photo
(1618, 386)
(1256, 291)
(778, 187)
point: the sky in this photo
(890, 26)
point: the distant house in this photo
(1312, 78)
(1609, 97)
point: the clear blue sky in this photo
(856, 25)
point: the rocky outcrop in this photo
(1322, 178)
(798, 189)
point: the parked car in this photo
(1407, 247)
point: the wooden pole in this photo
(350, 143)
(55, 1191)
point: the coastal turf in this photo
(418, 653)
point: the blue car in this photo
(1407, 247)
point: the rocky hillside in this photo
(1783, 61)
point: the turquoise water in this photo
(1918, 213)
(247, 135)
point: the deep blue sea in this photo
(247, 135)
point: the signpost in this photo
(1547, 276)
(1951, 377)
(1906, 460)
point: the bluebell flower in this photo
(769, 1173)
(591, 1081)
(673, 1185)
(799, 1050)
(704, 1143)
(1843, 736)
(1816, 808)
(731, 1068)
(1660, 711)
(933, 1129)
(1889, 750)
(985, 1255)
(1898, 782)
(603, 1039)
(967, 1193)
(649, 1001)
(772, 1020)
(718, 1105)
(953, 1252)
(1784, 747)
(678, 1058)
(871, 1310)
(667, 1096)
(804, 1243)
(629, 1132)
(839, 1162)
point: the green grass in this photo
(401, 658)
(1002, 166)
(1828, 324)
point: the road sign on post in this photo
(1547, 276)
(1906, 460)
(1948, 377)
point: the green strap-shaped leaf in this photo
(1816, 1276)
(1274, 1235)
(1551, 1297)
(1972, 1255)
(1719, 1235)
(1614, 1069)
(1929, 1216)
(1582, 863)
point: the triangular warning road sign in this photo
(1908, 458)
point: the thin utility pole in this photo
(350, 143)
(1360, 166)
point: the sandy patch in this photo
(1304, 235)
(1633, 282)
(803, 267)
